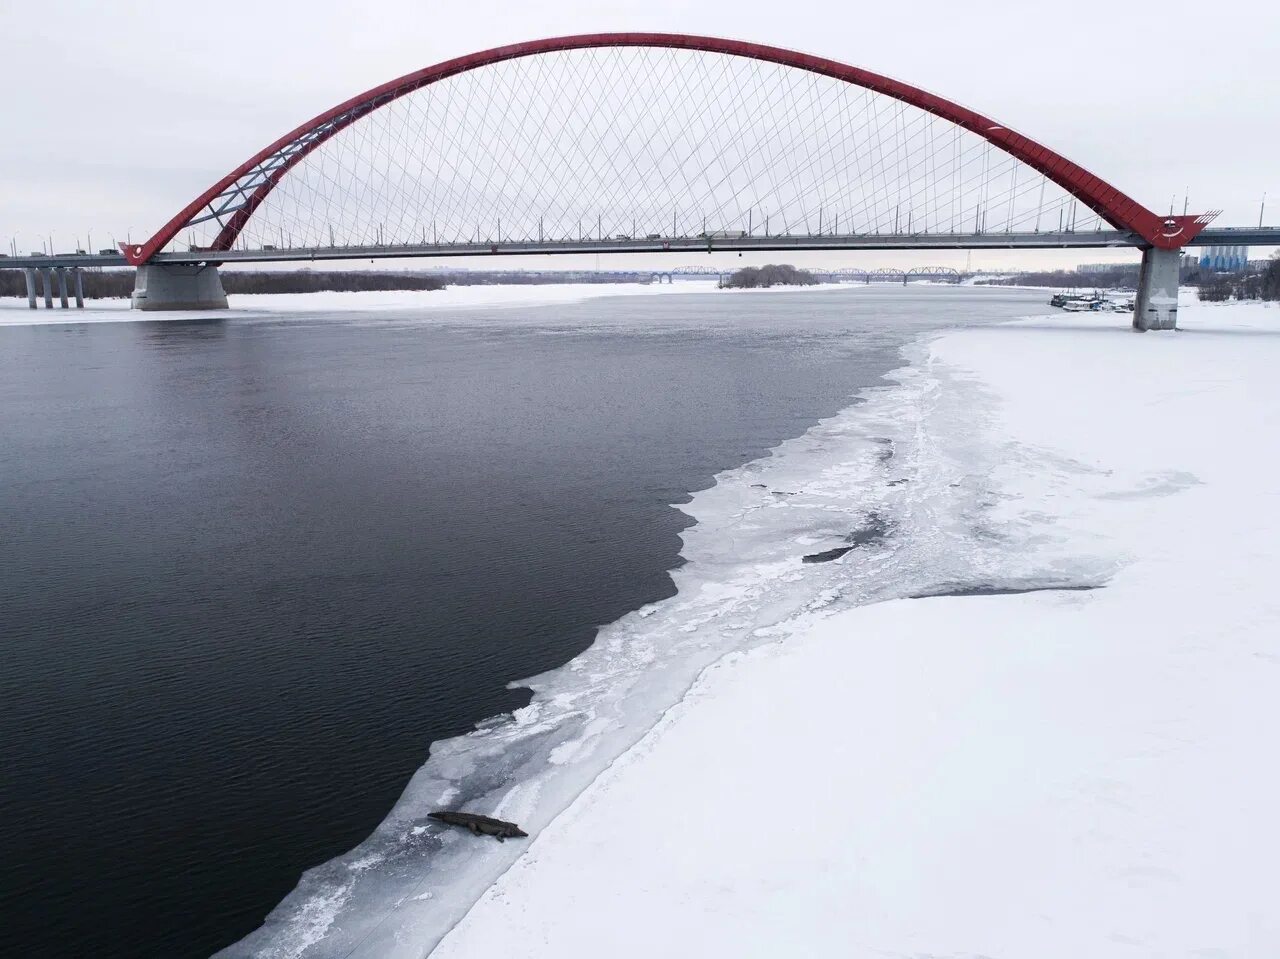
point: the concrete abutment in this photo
(1156, 305)
(178, 287)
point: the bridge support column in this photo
(30, 276)
(46, 286)
(178, 287)
(78, 274)
(1156, 305)
(62, 286)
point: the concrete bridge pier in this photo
(30, 275)
(78, 274)
(178, 287)
(62, 286)
(46, 287)
(1156, 305)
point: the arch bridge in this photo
(648, 142)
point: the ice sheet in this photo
(1056, 773)
(911, 461)
(15, 312)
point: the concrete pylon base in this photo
(1156, 305)
(165, 287)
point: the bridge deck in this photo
(1262, 236)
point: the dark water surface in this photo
(250, 567)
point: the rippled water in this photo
(252, 567)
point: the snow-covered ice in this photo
(15, 312)
(793, 757)
(743, 584)
(1052, 773)
(1059, 747)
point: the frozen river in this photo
(256, 564)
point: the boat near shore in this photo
(1091, 302)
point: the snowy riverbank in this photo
(1053, 773)
(15, 312)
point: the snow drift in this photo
(997, 769)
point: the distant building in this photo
(1225, 259)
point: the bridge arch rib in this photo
(885, 170)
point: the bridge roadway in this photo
(1102, 239)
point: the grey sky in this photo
(117, 114)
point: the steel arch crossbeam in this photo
(234, 199)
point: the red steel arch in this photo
(1112, 205)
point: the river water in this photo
(253, 566)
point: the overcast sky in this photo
(117, 114)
